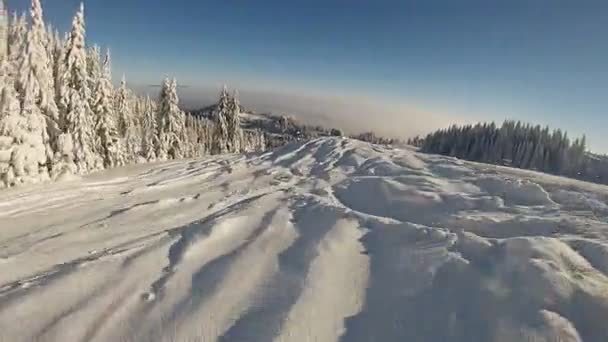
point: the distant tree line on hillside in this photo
(372, 138)
(278, 129)
(518, 145)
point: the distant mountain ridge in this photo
(282, 128)
(279, 129)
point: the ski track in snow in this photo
(329, 240)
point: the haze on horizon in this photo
(397, 67)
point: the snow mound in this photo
(328, 240)
(515, 191)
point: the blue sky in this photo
(543, 61)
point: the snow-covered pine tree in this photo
(253, 141)
(171, 121)
(194, 140)
(537, 156)
(577, 156)
(74, 98)
(127, 127)
(150, 130)
(107, 139)
(64, 147)
(207, 131)
(162, 122)
(220, 140)
(35, 85)
(140, 114)
(261, 141)
(123, 108)
(139, 110)
(58, 60)
(11, 31)
(94, 70)
(17, 35)
(201, 140)
(249, 141)
(22, 149)
(9, 107)
(188, 137)
(200, 147)
(235, 134)
(49, 44)
(12, 126)
(196, 144)
(137, 130)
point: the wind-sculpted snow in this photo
(329, 240)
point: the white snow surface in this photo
(329, 240)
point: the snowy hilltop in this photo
(328, 240)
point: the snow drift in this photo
(330, 240)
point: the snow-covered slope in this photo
(332, 240)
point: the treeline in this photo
(278, 129)
(372, 138)
(60, 113)
(516, 144)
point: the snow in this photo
(328, 240)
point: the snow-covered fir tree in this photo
(233, 120)
(201, 144)
(188, 137)
(12, 127)
(195, 140)
(123, 107)
(49, 43)
(23, 155)
(36, 86)
(127, 123)
(58, 53)
(17, 35)
(108, 140)
(150, 141)
(171, 122)
(74, 98)
(207, 132)
(94, 70)
(259, 141)
(220, 141)
(250, 141)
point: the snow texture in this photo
(329, 240)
